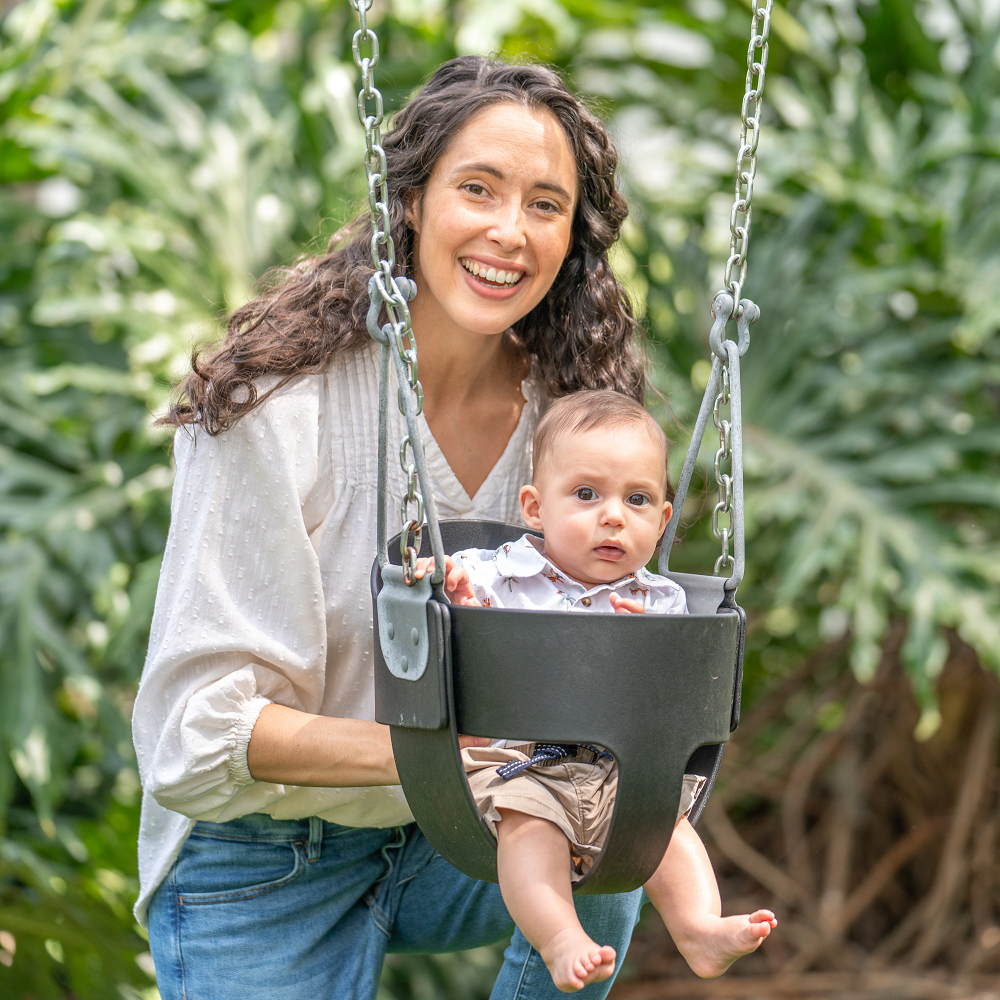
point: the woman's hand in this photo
(457, 585)
(626, 606)
(473, 741)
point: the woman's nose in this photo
(507, 227)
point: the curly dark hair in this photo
(579, 336)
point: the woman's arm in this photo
(240, 621)
(289, 747)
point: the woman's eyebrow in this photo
(487, 168)
(555, 189)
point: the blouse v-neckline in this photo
(446, 479)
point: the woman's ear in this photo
(411, 215)
(531, 507)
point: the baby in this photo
(599, 497)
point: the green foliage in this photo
(157, 157)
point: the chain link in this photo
(384, 286)
(746, 159)
(723, 480)
(740, 220)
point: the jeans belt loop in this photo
(315, 838)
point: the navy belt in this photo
(548, 751)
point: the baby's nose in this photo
(613, 512)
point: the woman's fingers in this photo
(473, 741)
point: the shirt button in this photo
(585, 601)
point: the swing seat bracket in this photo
(402, 624)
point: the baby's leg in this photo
(533, 865)
(684, 891)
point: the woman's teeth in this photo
(491, 274)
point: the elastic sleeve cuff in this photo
(238, 767)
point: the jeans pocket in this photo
(219, 869)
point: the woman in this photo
(278, 857)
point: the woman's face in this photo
(494, 221)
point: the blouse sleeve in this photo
(239, 620)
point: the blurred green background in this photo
(157, 157)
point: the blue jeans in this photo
(289, 909)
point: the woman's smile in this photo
(493, 279)
(492, 275)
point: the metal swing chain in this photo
(383, 288)
(739, 228)
(746, 158)
(722, 479)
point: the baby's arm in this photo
(626, 606)
(457, 584)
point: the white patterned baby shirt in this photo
(519, 575)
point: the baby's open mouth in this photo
(491, 276)
(610, 550)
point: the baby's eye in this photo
(585, 493)
(637, 500)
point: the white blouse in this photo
(264, 597)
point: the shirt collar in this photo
(522, 559)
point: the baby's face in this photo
(599, 497)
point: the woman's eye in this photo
(476, 189)
(585, 493)
(637, 500)
(546, 206)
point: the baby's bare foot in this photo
(714, 943)
(574, 960)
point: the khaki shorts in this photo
(576, 793)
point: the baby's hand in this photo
(625, 606)
(457, 584)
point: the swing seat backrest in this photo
(658, 691)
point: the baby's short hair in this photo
(590, 408)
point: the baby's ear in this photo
(668, 508)
(531, 507)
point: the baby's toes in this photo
(750, 934)
(606, 963)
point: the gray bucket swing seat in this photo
(660, 692)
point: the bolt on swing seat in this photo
(660, 692)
